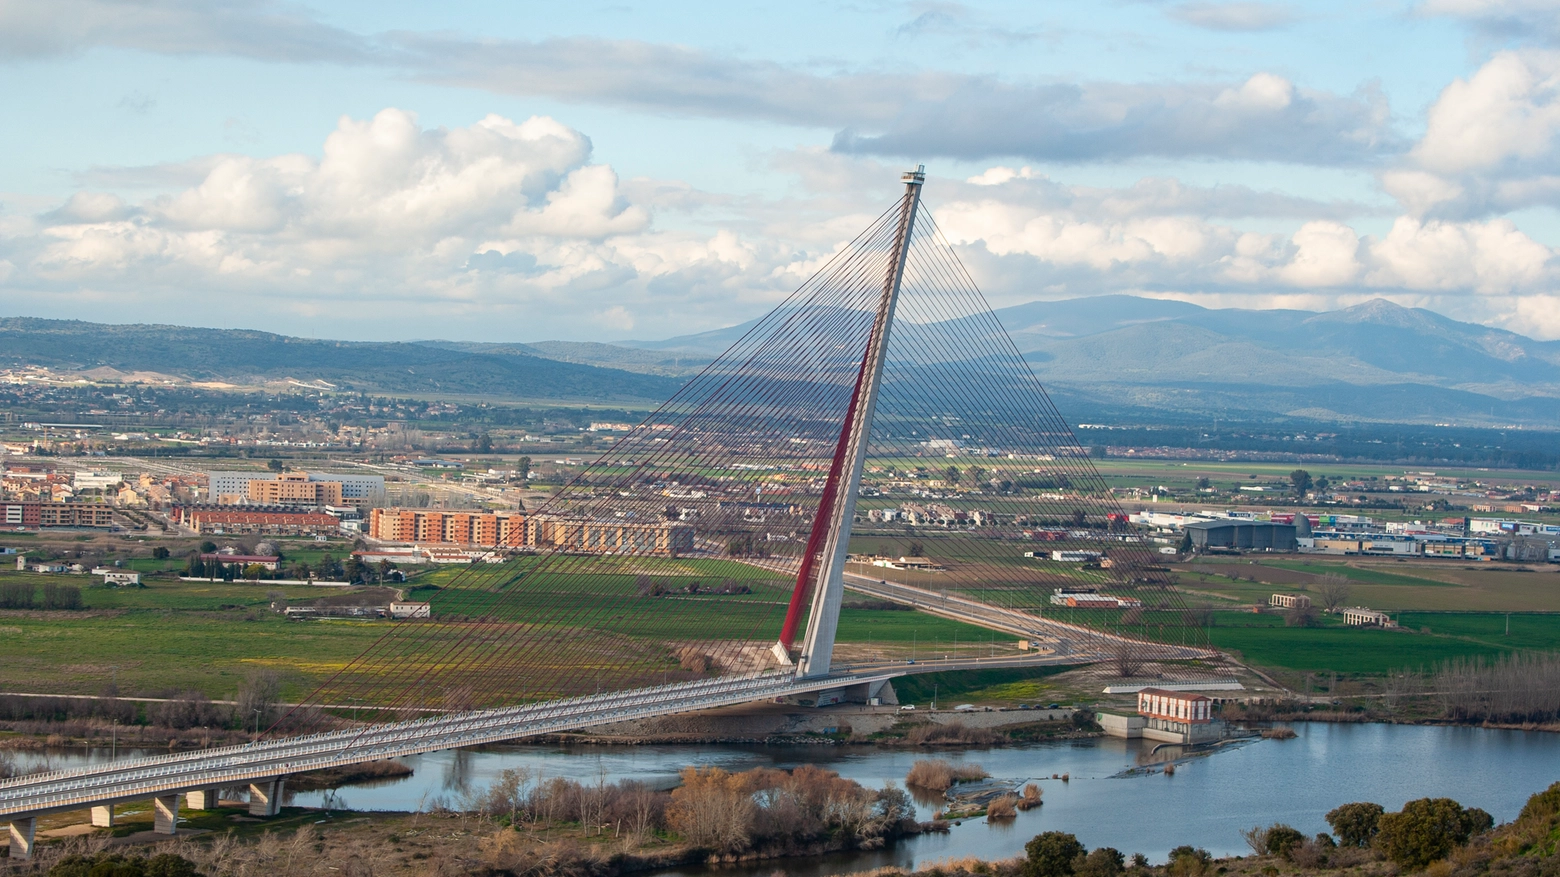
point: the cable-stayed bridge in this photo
(703, 559)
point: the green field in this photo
(1380, 583)
(173, 636)
(1263, 640)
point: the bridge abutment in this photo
(165, 814)
(265, 797)
(22, 830)
(103, 816)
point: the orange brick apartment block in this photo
(493, 529)
(506, 530)
(294, 488)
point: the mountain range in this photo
(1112, 356)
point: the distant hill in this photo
(1112, 357)
(248, 357)
(1139, 357)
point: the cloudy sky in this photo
(511, 171)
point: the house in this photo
(266, 561)
(410, 609)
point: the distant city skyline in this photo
(498, 172)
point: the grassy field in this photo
(1382, 583)
(173, 636)
(1265, 641)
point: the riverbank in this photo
(781, 724)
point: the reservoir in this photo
(1116, 795)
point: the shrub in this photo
(1281, 840)
(938, 774)
(951, 734)
(1005, 807)
(16, 595)
(118, 865)
(1256, 839)
(1051, 854)
(61, 597)
(1355, 824)
(1427, 830)
(1187, 861)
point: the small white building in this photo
(119, 577)
(1359, 616)
(1290, 601)
(410, 609)
(1075, 556)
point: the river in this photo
(1205, 803)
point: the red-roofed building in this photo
(1178, 716)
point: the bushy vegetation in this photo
(118, 865)
(939, 775)
(713, 809)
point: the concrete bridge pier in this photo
(165, 814)
(103, 816)
(22, 829)
(201, 799)
(265, 797)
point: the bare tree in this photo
(257, 697)
(1127, 661)
(1334, 589)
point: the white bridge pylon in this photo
(824, 618)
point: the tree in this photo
(977, 476)
(1125, 658)
(274, 465)
(1427, 830)
(1203, 483)
(916, 549)
(1186, 544)
(160, 553)
(952, 473)
(1300, 480)
(1321, 483)
(1334, 589)
(208, 547)
(1103, 862)
(1051, 854)
(1300, 616)
(523, 468)
(1355, 824)
(482, 444)
(257, 696)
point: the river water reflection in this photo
(1206, 803)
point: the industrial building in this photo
(1241, 534)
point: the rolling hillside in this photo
(249, 357)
